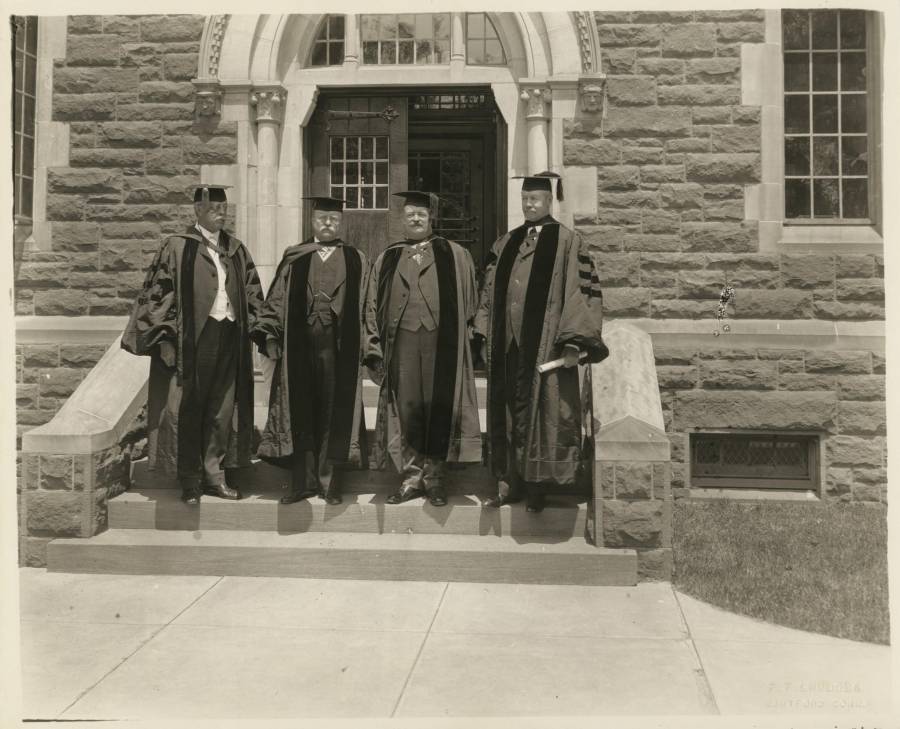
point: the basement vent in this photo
(754, 461)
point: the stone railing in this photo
(74, 463)
(632, 499)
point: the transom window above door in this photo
(408, 39)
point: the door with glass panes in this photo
(357, 149)
(363, 148)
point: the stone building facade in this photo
(667, 127)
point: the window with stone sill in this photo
(783, 461)
(483, 47)
(328, 47)
(24, 29)
(831, 117)
(410, 38)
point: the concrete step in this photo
(427, 557)
(563, 518)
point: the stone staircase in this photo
(148, 530)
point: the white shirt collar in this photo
(214, 237)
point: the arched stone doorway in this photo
(254, 71)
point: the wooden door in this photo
(357, 150)
(454, 168)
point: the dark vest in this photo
(420, 313)
(322, 278)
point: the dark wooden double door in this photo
(364, 148)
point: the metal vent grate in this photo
(754, 460)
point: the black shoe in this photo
(437, 496)
(223, 491)
(405, 494)
(535, 503)
(190, 491)
(292, 497)
(332, 497)
(495, 502)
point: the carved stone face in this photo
(592, 97)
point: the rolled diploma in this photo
(555, 364)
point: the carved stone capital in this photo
(269, 103)
(592, 92)
(538, 98)
(207, 98)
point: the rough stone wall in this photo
(46, 374)
(673, 156)
(124, 89)
(840, 394)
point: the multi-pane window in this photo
(447, 174)
(826, 140)
(328, 48)
(359, 171)
(413, 38)
(483, 45)
(24, 86)
(450, 102)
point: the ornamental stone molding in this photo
(538, 97)
(269, 102)
(211, 51)
(588, 42)
(207, 98)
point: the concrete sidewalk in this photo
(147, 647)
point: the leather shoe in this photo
(190, 491)
(292, 497)
(223, 491)
(437, 496)
(332, 498)
(495, 502)
(404, 494)
(535, 502)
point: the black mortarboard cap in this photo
(541, 181)
(210, 193)
(418, 197)
(331, 204)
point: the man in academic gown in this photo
(540, 301)
(195, 317)
(312, 323)
(420, 304)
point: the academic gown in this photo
(168, 317)
(289, 427)
(453, 432)
(563, 305)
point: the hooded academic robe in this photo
(563, 305)
(289, 427)
(168, 317)
(453, 432)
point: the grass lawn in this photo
(813, 566)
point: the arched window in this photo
(328, 48)
(411, 38)
(483, 47)
(408, 39)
